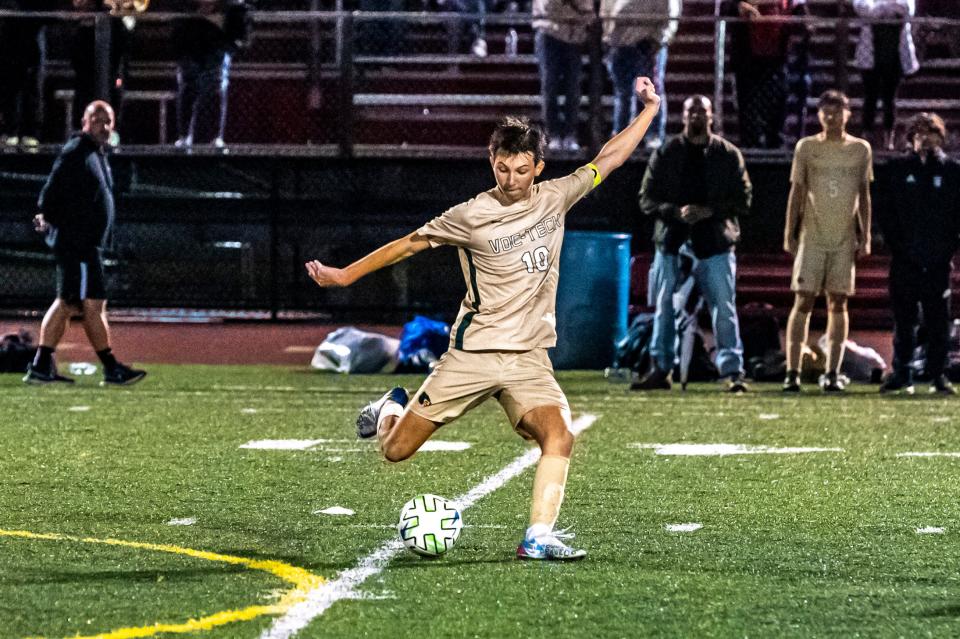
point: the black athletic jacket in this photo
(77, 200)
(920, 212)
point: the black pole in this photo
(101, 48)
(345, 42)
(840, 76)
(274, 242)
(595, 56)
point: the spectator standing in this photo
(76, 213)
(920, 222)
(22, 48)
(638, 48)
(205, 45)
(758, 54)
(561, 31)
(697, 187)
(885, 54)
(827, 228)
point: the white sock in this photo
(538, 530)
(389, 408)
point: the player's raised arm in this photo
(396, 251)
(621, 146)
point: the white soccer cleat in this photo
(369, 416)
(550, 547)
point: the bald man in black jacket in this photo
(76, 213)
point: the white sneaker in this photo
(183, 143)
(555, 144)
(479, 48)
(219, 143)
(570, 144)
(550, 547)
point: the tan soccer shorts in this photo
(462, 380)
(816, 270)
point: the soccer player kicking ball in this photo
(509, 240)
(828, 227)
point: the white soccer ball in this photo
(429, 525)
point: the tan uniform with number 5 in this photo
(832, 173)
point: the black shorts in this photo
(80, 277)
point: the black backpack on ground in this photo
(633, 349)
(16, 351)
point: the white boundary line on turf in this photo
(345, 584)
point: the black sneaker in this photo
(940, 385)
(655, 379)
(897, 382)
(39, 377)
(832, 383)
(122, 375)
(792, 382)
(370, 414)
(736, 383)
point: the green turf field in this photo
(815, 544)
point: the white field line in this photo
(722, 450)
(928, 454)
(691, 527)
(344, 586)
(930, 530)
(183, 521)
(322, 445)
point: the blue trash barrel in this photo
(592, 298)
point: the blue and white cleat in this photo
(370, 414)
(550, 547)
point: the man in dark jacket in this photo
(697, 186)
(76, 213)
(921, 224)
(205, 44)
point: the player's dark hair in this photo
(832, 97)
(927, 121)
(516, 136)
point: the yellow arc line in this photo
(302, 580)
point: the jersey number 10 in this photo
(536, 260)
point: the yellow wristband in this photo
(597, 178)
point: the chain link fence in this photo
(227, 218)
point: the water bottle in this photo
(510, 43)
(618, 375)
(82, 368)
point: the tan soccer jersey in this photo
(510, 256)
(832, 171)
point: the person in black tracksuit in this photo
(76, 214)
(921, 225)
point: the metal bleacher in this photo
(424, 93)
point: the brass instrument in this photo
(126, 7)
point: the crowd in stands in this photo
(770, 58)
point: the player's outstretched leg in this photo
(549, 427)
(391, 403)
